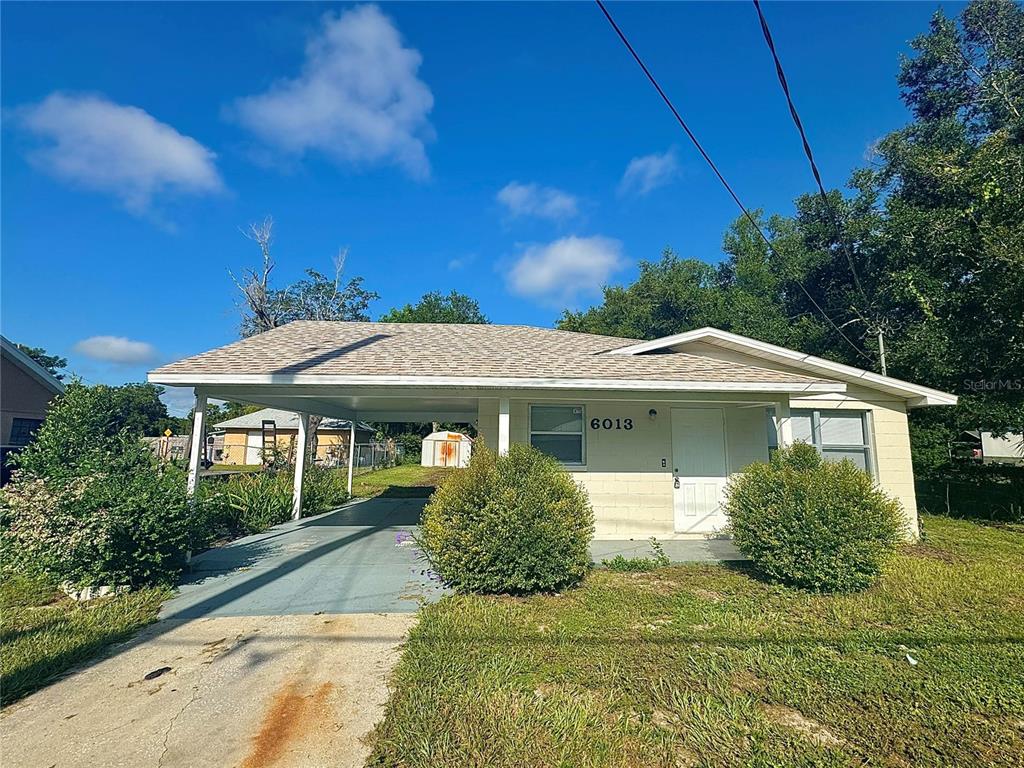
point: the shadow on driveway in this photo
(352, 560)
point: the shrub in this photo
(128, 527)
(516, 523)
(811, 523)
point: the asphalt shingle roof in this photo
(285, 420)
(314, 348)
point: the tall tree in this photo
(435, 307)
(52, 363)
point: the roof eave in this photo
(917, 396)
(478, 382)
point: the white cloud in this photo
(358, 98)
(117, 149)
(647, 173)
(116, 349)
(560, 271)
(535, 200)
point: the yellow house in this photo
(243, 437)
(652, 429)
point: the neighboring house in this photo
(243, 437)
(652, 429)
(996, 449)
(26, 389)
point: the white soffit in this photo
(915, 394)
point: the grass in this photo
(704, 665)
(403, 481)
(44, 633)
(235, 468)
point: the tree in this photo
(315, 297)
(52, 363)
(437, 308)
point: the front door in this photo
(700, 469)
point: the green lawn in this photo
(705, 665)
(403, 481)
(44, 633)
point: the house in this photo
(26, 390)
(652, 429)
(242, 441)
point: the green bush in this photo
(131, 527)
(516, 523)
(811, 523)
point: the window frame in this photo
(870, 465)
(530, 432)
(18, 423)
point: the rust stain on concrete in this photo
(291, 716)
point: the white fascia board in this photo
(916, 394)
(199, 380)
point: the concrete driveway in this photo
(276, 652)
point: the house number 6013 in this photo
(611, 423)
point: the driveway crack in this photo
(170, 725)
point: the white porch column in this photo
(197, 448)
(302, 440)
(783, 423)
(503, 426)
(351, 451)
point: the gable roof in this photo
(30, 366)
(433, 354)
(286, 420)
(915, 394)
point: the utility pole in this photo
(881, 349)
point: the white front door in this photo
(700, 469)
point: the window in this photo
(837, 435)
(22, 430)
(557, 430)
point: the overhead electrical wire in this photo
(711, 164)
(807, 148)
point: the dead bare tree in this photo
(259, 311)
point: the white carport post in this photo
(198, 444)
(302, 441)
(503, 426)
(783, 423)
(351, 451)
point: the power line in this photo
(830, 210)
(710, 162)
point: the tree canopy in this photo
(435, 307)
(52, 363)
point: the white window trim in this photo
(530, 432)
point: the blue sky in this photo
(509, 151)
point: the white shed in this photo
(446, 449)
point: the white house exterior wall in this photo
(632, 491)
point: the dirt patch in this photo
(797, 721)
(929, 552)
(291, 715)
(706, 594)
(745, 681)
